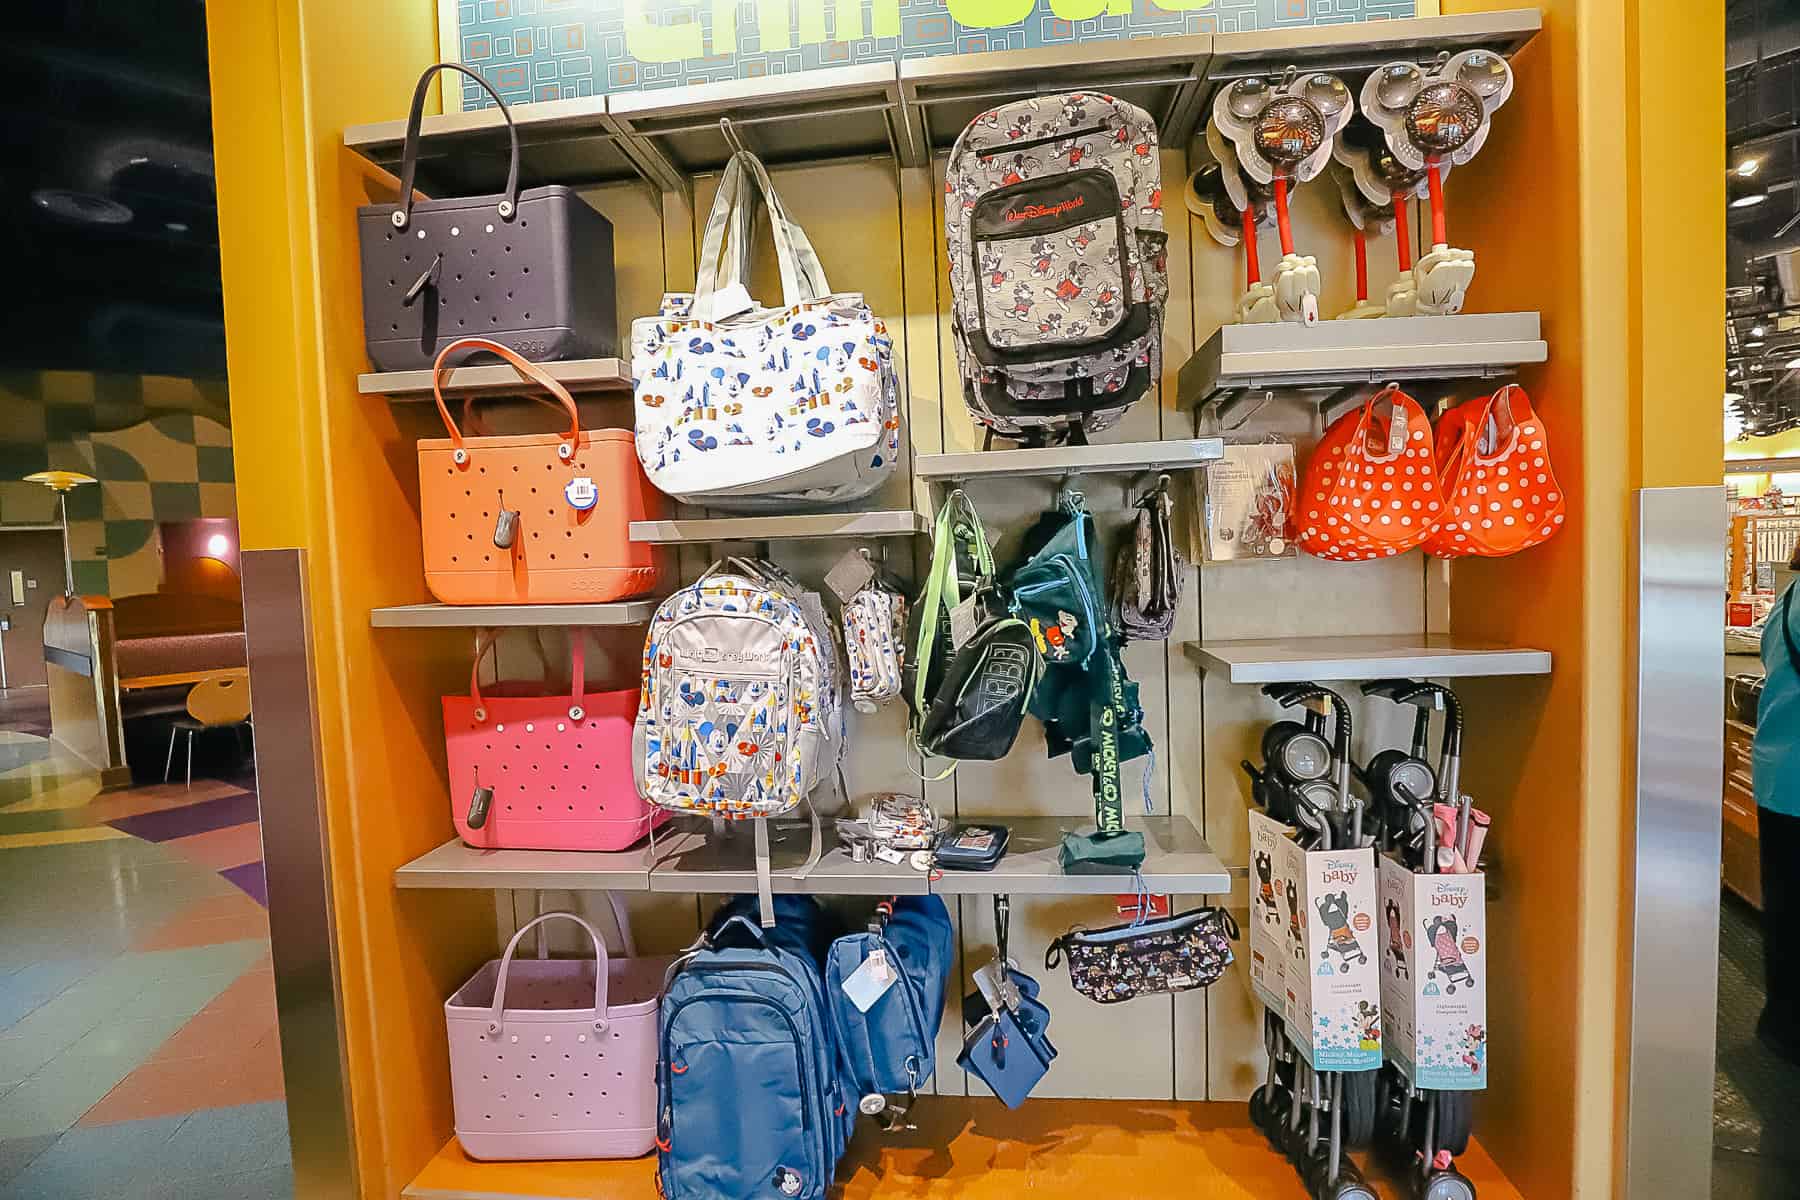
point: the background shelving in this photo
(577, 374)
(884, 523)
(1335, 659)
(485, 616)
(1177, 455)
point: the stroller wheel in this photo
(1450, 989)
(1259, 1107)
(1455, 1115)
(1350, 1185)
(1359, 1102)
(1446, 1185)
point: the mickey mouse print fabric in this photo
(748, 407)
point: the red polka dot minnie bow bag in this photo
(1371, 488)
(1500, 495)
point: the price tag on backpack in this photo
(851, 574)
(965, 618)
(870, 982)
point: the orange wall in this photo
(1611, 222)
(326, 469)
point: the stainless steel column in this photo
(277, 627)
(1675, 893)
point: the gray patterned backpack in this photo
(1058, 263)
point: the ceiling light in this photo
(175, 226)
(217, 545)
(1748, 167)
(1733, 397)
(1792, 364)
(1757, 345)
(1750, 201)
(1757, 331)
(1733, 372)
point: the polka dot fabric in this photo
(1507, 500)
(1359, 503)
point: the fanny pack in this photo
(1176, 954)
(1148, 574)
(968, 701)
(1088, 705)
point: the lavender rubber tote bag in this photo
(566, 1066)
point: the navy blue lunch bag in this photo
(751, 1100)
(891, 1048)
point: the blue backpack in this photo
(751, 1102)
(891, 1049)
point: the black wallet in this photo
(972, 847)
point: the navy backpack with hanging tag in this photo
(884, 991)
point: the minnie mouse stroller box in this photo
(1434, 976)
(1333, 985)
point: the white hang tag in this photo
(850, 575)
(965, 618)
(869, 982)
(1309, 309)
(731, 300)
(1396, 429)
(888, 854)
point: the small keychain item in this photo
(506, 528)
(479, 804)
(581, 493)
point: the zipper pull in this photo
(428, 279)
(479, 803)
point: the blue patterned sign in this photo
(556, 49)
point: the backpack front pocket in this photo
(1052, 268)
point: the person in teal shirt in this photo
(1775, 774)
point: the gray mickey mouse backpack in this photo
(1058, 264)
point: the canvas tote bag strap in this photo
(496, 1017)
(528, 369)
(409, 156)
(802, 278)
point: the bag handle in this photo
(802, 276)
(529, 370)
(943, 587)
(496, 1020)
(740, 921)
(577, 672)
(409, 156)
(1503, 410)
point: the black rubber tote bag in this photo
(532, 269)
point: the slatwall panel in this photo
(880, 230)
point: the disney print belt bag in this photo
(1189, 950)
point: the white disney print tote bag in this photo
(739, 405)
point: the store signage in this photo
(558, 49)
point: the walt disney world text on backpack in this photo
(1054, 225)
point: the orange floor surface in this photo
(974, 1149)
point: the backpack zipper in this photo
(1034, 143)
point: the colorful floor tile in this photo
(138, 1049)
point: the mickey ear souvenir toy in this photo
(1232, 206)
(1381, 180)
(1282, 133)
(1432, 120)
(1363, 216)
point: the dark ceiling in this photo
(1762, 272)
(110, 224)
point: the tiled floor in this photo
(138, 1052)
(1754, 1092)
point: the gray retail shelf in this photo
(577, 374)
(903, 111)
(1326, 659)
(454, 865)
(1180, 455)
(1177, 861)
(488, 616)
(887, 523)
(1336, 354)
(698, 861)
(691, 860)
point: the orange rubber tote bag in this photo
(537, 518)
(1371, 488)
(1500, 495)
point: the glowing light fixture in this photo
(1750, 201)
(1748, 167)
(217, 545)
(62, 483)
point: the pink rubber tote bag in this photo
(556, 1057)
(532, 768)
